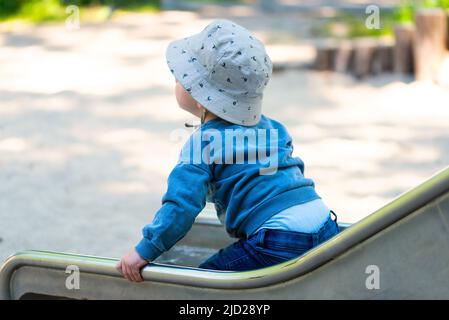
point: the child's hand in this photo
(130, 266)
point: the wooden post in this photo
(325, 55)
(363, 54)
(344, 57)
(430, 43)
(447, 29)
(383, 57)
(404, 35)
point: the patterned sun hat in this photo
(225, 68)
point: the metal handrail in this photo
(395, 210)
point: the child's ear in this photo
(198, 105)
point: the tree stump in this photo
(325, 55)
(344, 57)
(382, 57)
(404, 35)
(447, 29)
(363, 55)
(430, 43)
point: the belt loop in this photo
(334, 215)
(261, 237)
(315, 239)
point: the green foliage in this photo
(354, 24)
(9, 7)
(54, 10)
(112, 3)
(444, 4)
(405, 12)
(42, 10)
(115, 3)
(357, 27)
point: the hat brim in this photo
(193, 77)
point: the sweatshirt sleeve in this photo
(183, 201)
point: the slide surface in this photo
(400, 251)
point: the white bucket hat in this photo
(225, 68)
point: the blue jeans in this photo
(269, 247)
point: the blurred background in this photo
(89, 124)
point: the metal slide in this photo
(401, 251)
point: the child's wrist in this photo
(141, 257)
(147, 250)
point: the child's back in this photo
(251, 172)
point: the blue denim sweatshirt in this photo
(247, 172)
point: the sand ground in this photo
(89, 127)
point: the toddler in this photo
(237, 158)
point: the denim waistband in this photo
(294, 237)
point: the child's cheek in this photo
(185, 101)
